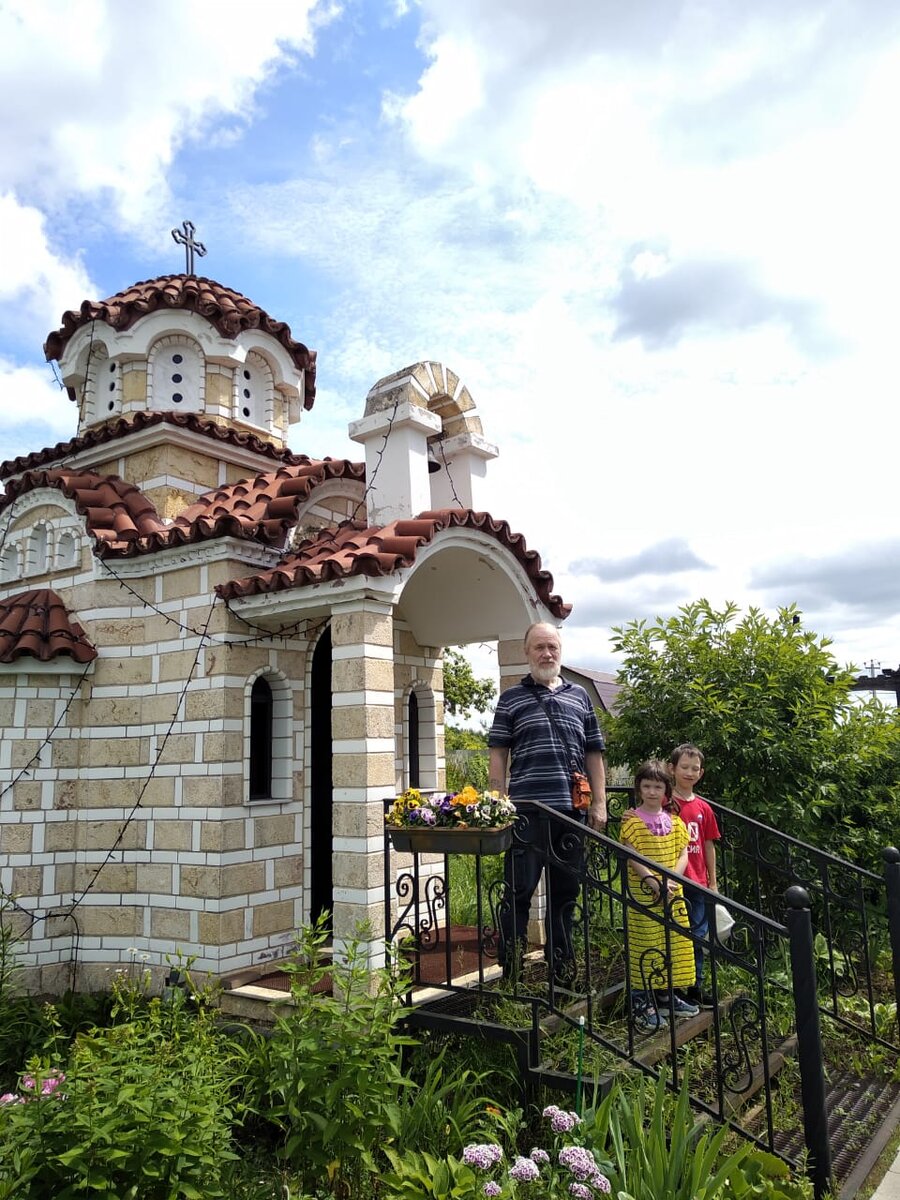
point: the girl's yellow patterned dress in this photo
(647, 958)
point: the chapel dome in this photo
(183, 343)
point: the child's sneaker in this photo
(684, 1008)
(647, 1019)
(695, 995)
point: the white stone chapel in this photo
(217, 656)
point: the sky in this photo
(657, 240)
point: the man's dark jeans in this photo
(522, 873)
(699, 917)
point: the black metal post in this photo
(891, 856)
(809, 1038)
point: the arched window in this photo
(262, 706)
(253, 391)
(420, 764)
(176, 375)
(9, 563)
(100, 395)
(268, 738)
(66, 550)
(38, 549)
(413, 726)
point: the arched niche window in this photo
(420, 766)
(100, 395)
(253, 389)
(268, 738)
(38, 549)
(414, 779)
(261, 717)
(66, 550)
(176, 375)
(10, 569)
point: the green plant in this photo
(467, 758)
(448, 1108)
(142, 1110)
(659, 1152)
(329, 1079)
(464, 886)
(770, 707)
(421, 1176)
(566, 1169)
(463, 693)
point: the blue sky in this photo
(657, 240)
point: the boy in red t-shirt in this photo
(686, 765)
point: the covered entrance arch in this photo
(397, 595)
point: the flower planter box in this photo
(452, 841)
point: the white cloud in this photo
(36, 284)
(34, 411)
(713, 182)
(98, 96)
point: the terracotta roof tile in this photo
(228, 311)
(123, 426)
(355, 549)
(37, 624)
(264, 507)
(117, 513)
(124, 522)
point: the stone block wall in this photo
(141, 819)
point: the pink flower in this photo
(524, 1170)
(29, 1083)
(11, 1098)
(52, 1082)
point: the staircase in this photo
(798, 1050)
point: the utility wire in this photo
(203, 640)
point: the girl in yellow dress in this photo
(659, 959)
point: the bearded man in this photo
(544, 728)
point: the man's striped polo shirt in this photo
(541, 767)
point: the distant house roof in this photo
(887, 681)
(36, 624)
(599, 685)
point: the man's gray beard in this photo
(545, 674)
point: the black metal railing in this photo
(758, 1044)
(849, 906)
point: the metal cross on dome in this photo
(185, 237)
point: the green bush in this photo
(140, 1111)
(657, 1150)
(329, 1080)
(772, 711)
(448, 1108)
(467, 759)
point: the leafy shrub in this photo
(448, 1108)
(329, 1079)
(144, 1111)
(567, 1169)
(656, 1149)
(772, 710)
